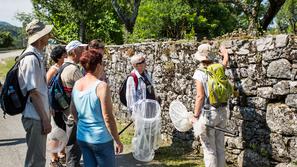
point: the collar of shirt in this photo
(33, 49)
(137, 73)
(69, 61)
(145, 73)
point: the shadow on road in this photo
(127, 160)
(9, 142)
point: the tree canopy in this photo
(118, 21)
(286, 19)
(6, 39)
(80, 19)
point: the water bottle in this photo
(14, 98)
(61, 100)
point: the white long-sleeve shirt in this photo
(133, 95)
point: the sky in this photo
(9, 8)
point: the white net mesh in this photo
(147, 119)
(56, 140)
(180, 117)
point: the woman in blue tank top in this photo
(92, 110)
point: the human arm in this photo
(199, 100)
(224, 53)
(73, 111)
(30, 72)
(49, 75)
(39, 107)
(104, 95)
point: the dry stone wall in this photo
(262, 70)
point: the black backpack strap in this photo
(145, 80)
(60, 70)
(149, 88)
(23, 55)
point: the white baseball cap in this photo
(73, 45)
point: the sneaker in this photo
(55, 164)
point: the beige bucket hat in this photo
(204, 53)
(36, 29)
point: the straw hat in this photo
(204, 53)
(36, 29)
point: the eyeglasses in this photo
(143, 61)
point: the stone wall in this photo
(264, 72)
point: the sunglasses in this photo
(143, 61)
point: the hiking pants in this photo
(36, 142)
(213, 140)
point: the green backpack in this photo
(219, 87)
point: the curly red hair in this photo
(90, 59)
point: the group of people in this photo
(89, 121)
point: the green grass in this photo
(169, 154)
(178, 155)
(5, 65)
(127, 135)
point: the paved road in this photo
(10, 53)
(13, 146)
(12, 141)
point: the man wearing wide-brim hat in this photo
(31, 77)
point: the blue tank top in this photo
(91, 127)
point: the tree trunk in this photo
(274, 7)
(128, 21)
(252, 28)
(82, 31)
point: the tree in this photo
(260, 13)
(24, 18)
(274, 7)
(286, 19)
(6, 39)
(213, 19)
(179, 19)
(123, 12)
(80, 19)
